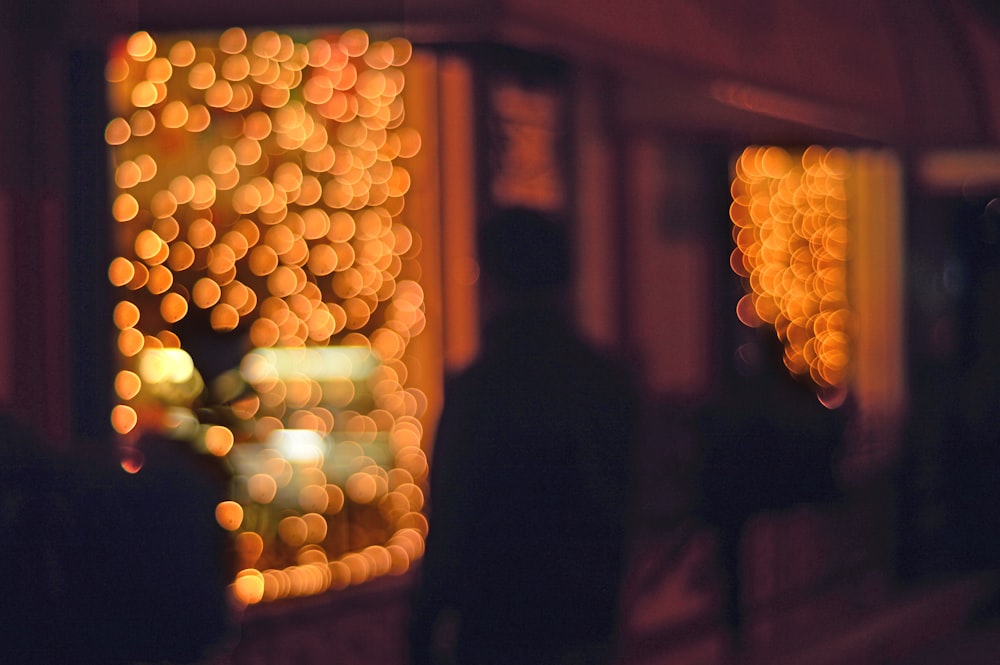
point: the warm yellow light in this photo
(218, 440)
(141, 46)
(117, 70)
(123, 418)
(292, 184)
(249, 546)
(182, 53)
(173, 307)
(127, 175)
(236, 67)
(354, 42)
(249, 586)
(125, 208)
(293, 530)
(201, 233)
(204, 192)
(147, 167)
(130, 342)
(174, 114)
(316, 527)
(127, 384)
(790, 231)
(159, 70)
(144, 94)
(233, 40)
(219, 94)
(126, 314)
(282, 282)
(201, 76)
(120, 271)
(147, 244)
(181, 256)
(361, 488)
(198, 118)
(229, 515)
(262, 488)
(224, 317)
(206, 292)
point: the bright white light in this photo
(165, 366)
(320, 363)
(301, 446)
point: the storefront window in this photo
(817, 235)
(268, 289)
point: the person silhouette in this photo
(769, 445)
(529, 474)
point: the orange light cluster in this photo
(789, 215)
(260, 178)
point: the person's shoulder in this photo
(469, 380)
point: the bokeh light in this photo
(258, 185)
(789, 215)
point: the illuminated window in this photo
(817, 238)
(259, 186)
(790, 229)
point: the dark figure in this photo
(769, 446)
(529, 474)
(33, 570)
(972, 452)
(106, 568)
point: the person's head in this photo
(524, 256)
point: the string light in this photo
(789, 215)
(260, 179)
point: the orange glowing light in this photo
(249, 586)
(293, 530)
(132, 460)
(361, 488)
(314, 498)
(174, 115)
(182, 53)
(181, 256)
(262, 488)
(126, 315)
(249, 546)
(166, 227)
(218, 440)
(147, 167)
(233, 40)
(292, 186)
(130, 342)
(198, 118)
(790, 231)
(127, 384)
(206, 292)
(140, 46)
(229, 515)
(125, 208)
(316, 527)
(127, 175)
(144, 94)
(224, 317)
(147, 244)
(173, 307)
(201, 233)
(336, 498)
(123, 418)
(121, 271)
